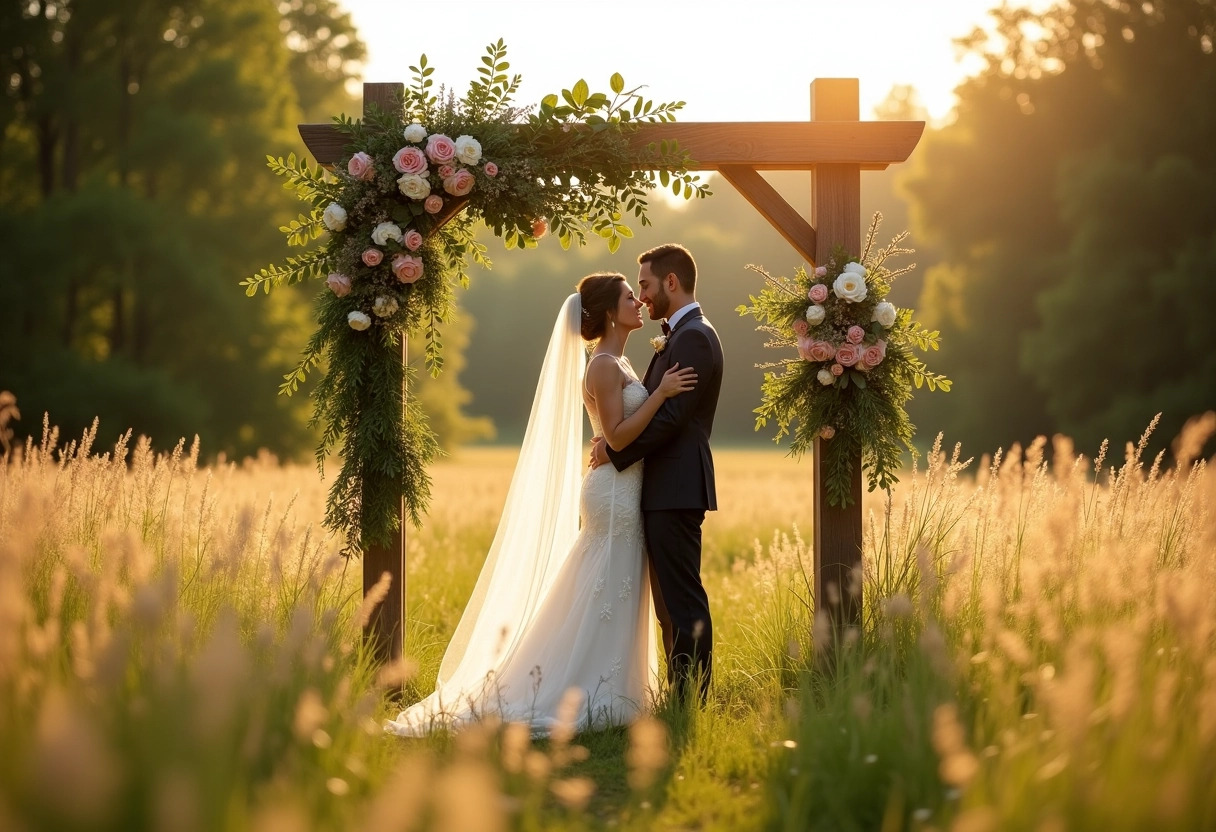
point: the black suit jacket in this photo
(679, 467)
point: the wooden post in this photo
(836, 218)
(385, 628)
(835, 146)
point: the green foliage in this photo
(1072, 203)
(134, 195)
(567, 167)
(853, 406)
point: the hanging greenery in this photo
(855, 368)
(401, 209)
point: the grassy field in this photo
(179, 651)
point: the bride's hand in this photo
(676, 381)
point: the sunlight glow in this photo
(729, 63)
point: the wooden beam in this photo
(780, 214)
(759, 145)
(836, 216)
(385, 629)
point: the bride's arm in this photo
(604, 382)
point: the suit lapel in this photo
(657, 360)
(649, 369)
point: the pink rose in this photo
(827, 431)
(837, 370)
(848, 354)
(540, 227)
(872, 356)
(372, 257)
(822, 351)
(818, 293)
(800, 327)
(856, 335)
(407, 268)
(360, 166)
(413, 240)
(804, 348)
(409, 160)
(440, 149)
(491, 169)
(459, 183)
(339, 284)
(445, 171)
(433, 204)
(821, 271)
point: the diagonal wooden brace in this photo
(780, 214)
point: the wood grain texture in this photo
(384, 631)
(760, 145)
(780, 214)
(836, 216)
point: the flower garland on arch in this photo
(855, 367)
(401, 209)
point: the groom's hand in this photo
(598, 455)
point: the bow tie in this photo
(666, 327)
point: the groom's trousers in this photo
(673, 541)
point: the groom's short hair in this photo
(672, 258)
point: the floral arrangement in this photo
(402, 209)
(855, 367)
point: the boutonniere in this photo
(659, 342)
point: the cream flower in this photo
(358, 320)
(384, 306)
(825, 377)
(850, 286)
(414, 186)
(386, 231)
(468, 150)
(815, 314)
(415, 132)
(334, 217)
(884, 313)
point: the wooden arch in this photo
(835, 146)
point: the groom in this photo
(678, 480)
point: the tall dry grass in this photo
(179, 650)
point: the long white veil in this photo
(539, 520)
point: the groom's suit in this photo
(677, 489)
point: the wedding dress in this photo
(561, 625)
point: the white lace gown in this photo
(592, 641)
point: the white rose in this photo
(358, 320)
(334, 217)
(814, 314)
(884, 313)
(415, 133)
(825, 377)
(855, 268)
(386, 231)
(468, 150)
(384, 306)
(414, 186)
(850, 286)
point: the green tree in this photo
(135, 195)
(1016, 197)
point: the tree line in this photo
(1064, 221)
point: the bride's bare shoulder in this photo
(605, 374)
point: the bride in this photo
(560, 625)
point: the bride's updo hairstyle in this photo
(600, 294)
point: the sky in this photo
(745, 60)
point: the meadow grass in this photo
(179, 650)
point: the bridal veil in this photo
(539, 519)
